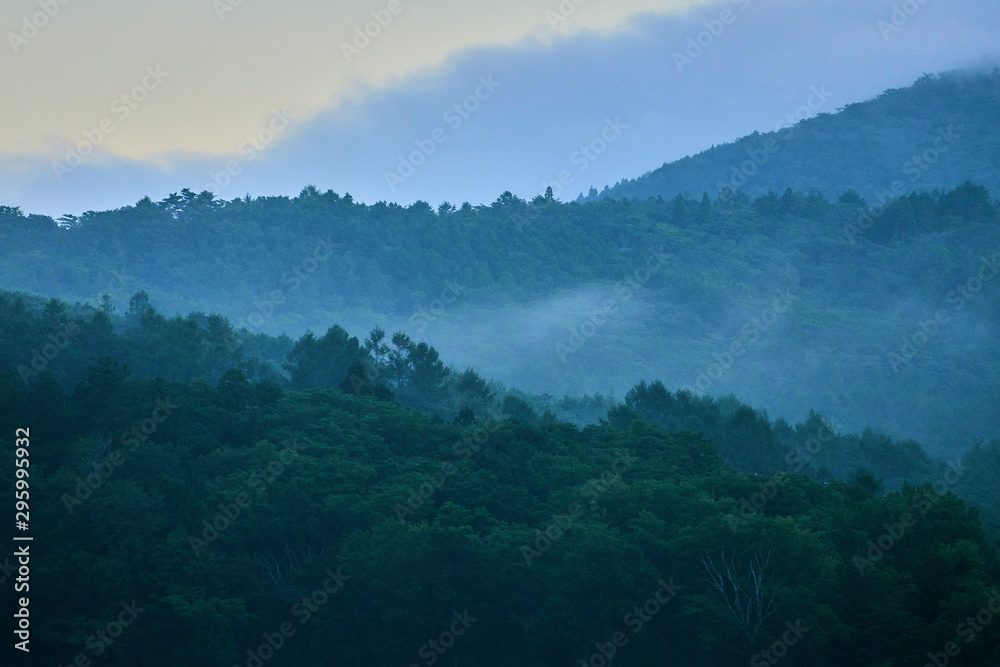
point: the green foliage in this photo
(862, 278)
(550, 537)
(370, 496)
(863, 147)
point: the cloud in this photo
(548, 116)
(233, 61)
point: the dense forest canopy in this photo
(938, 132)
(705, 417)
(270, 510)
(411, 373)
(861, 311)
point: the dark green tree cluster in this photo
(70, 340)
(411, 373)
(749, 440)
(205, 494)
(52, 337)
(221, 514)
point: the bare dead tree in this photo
(749, 595)
(280, 568)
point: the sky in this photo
(109, 101)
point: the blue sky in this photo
(448, 101)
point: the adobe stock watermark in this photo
(698, 44)
(531, 214)
(901, 15)
(370, 31)
(249, 150)
(57, 341)
(463, 450)
(597, 487)
(924, 501)
(751, 332)
(967, 630)
(224, 7)
(958, 298)
(31, 25)
(779, 649)
(264, 309)
(422, 317)
(800, 457)
(99, 642)
(759, 157)
(563, 12)
(303, 611)
(635, 620)
(122, 107)
(455, 117)
(554, 531)
(796, 461)
(915, 167)
(230, 512)
(587, 154)
(561, 523)
(624, 291)
(372, 373)
(54, 344)
(435, 648)
(136, 435)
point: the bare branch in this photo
(749, 596)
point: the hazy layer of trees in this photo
(226, 471)
(560, 298)
(370, 499)
(50, 344)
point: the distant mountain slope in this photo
(828, 305)
(901, 138)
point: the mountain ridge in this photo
(890, 144)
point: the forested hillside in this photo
(53, 347)
(937, 133)
(792, 302)
(201, 508)
(276, 404)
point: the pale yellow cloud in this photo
(226, 65)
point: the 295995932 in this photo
(22, 517)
